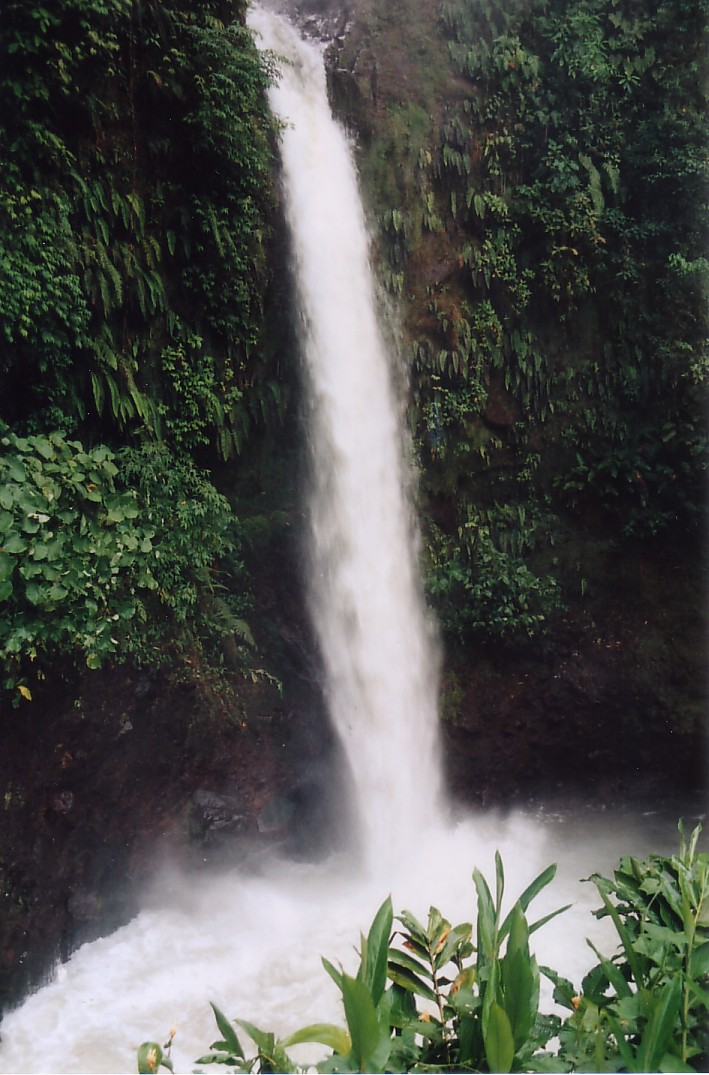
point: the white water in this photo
(252, 943)
(376, 644)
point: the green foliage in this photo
(570, 161)
(134, 204)
(647, 1008)
(426, 1019)
(106, 556)
(479, 581)
(467, 999)
(74, 557)
(199, 401)
(200, 579)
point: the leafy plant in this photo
(647, 1008)
(105, 556)
(439, 1010)
(464, 999)
(74, 555)
(480, 582)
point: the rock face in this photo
(327, 20)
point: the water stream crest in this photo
(252, 942)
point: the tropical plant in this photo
(480, 581)
(647, 1008)
(467, 999)
(74, 557)
(440, 1012)
(105, 556)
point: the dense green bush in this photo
(74, 557)
(105, 556)
(479, 580)
(134, 203)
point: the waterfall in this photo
(252, 941)
(376, 643)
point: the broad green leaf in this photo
(673, 1064)
(520, 978)
(660, 1028)
(34, 593)
(375, 965)
(519, 932)
(699, 961)
(334, 1037)
(264, 1040)
(362, 1021)
(16, 469)
(226, 1029)
(498, 1040)
(7, 564)
(15, 545)
(408, 980)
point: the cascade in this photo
(252, 942)
(376, 644)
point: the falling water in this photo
(252, 942)
(376, 643)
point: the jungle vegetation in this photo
(552, 169)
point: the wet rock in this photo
(85, 906)
(217, 816)
(62, 802)
(276, 816)
(501, 410)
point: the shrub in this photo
(465, 1000)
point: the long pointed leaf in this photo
(658, 1032)
(227, 1031)
(334, 973)
(498, 1040)
(486, 916)
(362, 1021)
(625, 938)
(334, 1037)
(625, 1051)
(499, 883)
(403, 959)
(264, 1040)
(612, 973)
(548, 917)
(378, 950)
(411, 982)
(533, 889)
